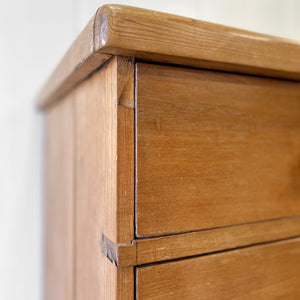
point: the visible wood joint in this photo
(109, 249)
(125, 74)
(122, 255)
(183, 245)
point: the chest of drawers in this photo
(172, 162)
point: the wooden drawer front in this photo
(262, 272)
(214, 149)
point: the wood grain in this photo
(59, 206)
(183, 245)
(125, 175)
(156, 36)
(262, 272)
(188, 244)
(77, 64)
(124, 70)
(174, 39)
(214, 149)
(125, 283)
(99, 157)
(125, 73)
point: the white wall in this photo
(34, 34)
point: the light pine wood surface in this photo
(214, 149)
(125, 73)
(169, 38)
(156, 36)
(172, 181)
(125, 175)
(99, 194)
(59, 204)
(269, 271)
(124, 70)
(188, 244)
(100, 114)
(183, 245)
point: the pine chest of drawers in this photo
(172, 162)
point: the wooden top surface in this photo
(161, 37)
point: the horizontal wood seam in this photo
(170, 248)
(269, 242)
(216, 228)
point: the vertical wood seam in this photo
(74, 99)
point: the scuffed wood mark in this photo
(109, 249)
(122, 255)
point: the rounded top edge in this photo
(102, 21)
